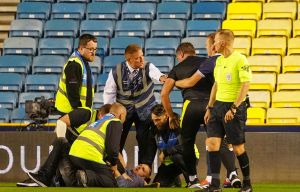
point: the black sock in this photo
(208, 164)
(244, 164)
(215, 166)
(228, 158)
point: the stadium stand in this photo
(103, 10)
(263, 81)
(288, 81)
(98, 28)
(66, 28)
(8, 100)
(283, 116)
(255, 116)
(265, 63)
(260, 99)
(4, 115)
(163, 63)
(197, 28)
(11, 82)
(242, 45)
(18, 115)
(41, 83)
(244, 10)
(101, 82)
(145, 11)
(111, 61)
(173, 10)
(161, 46)
(274, 27)
(68, 11)
(48, 64)
(286, 99)
(198, 43)
(293, 46)
(168, 28)
(209, 10)
(132, 28)
(291, 63)
(15, 64)
(118, 44)
(27, 96)
(34, 10)
(296, 28)
(176, 99)
(55, 46)
(241, 27)
(20, 45)
(26, 28)
(98, 100)
(269, 45)
(280, 10)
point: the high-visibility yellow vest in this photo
(90, 144)
(62, 102)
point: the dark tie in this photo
(133, 74)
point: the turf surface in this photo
(257, 188)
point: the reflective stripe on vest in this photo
(90, 144)
(123, 93)
(62, 103)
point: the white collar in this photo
(130, 68)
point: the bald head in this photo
(119, 111)
(226, 35)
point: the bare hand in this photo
(207, 116)
(174, 123)
(161, 157)
(126, 177)
(228, 116)
(163, 78)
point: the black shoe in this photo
(81, 178)
(246, 188)
(40, 180)
(210, 189)
(27, 183)
(235, 182)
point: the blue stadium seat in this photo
(26, 28)
(8, 100)
(119, 44)
(161, 46)
(197, 28)
(176, 99)
(101, 80)
(55, 46)
(61, 28)
(18, 115)
(68, 10)
(208, 10)
(102, 46)
(168, 28)
(47, 1)
(132, 28)
(72, 1)
(4, 115)
(15, 64)
(173, 10)
(118, 1)
(103, 10)
(41, 83)
(98, 100)
(96, 65)
(178, 111)
(33, 10)
(198, 43)
(111, 61)
(20, 46)
(48, 64)
(145, 11)
(143, 1)
(186, 1)
(23, 97)
(163, 63)
(98, 28)
(11, 82)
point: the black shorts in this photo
(79, 116)
(234, 129)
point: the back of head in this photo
(186, 48)
(132, 48)
(227, 35)
(104, 109)
(85, 38)
(119, 111)
(211, 37)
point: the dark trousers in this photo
(193, 116)
(98, 175)
(145, 136)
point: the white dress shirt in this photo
(110, 89)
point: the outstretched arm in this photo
(189, 82)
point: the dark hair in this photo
(158, 110)
(85, 38)
(132, 48)
(186, 48)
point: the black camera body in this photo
(39, 109)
